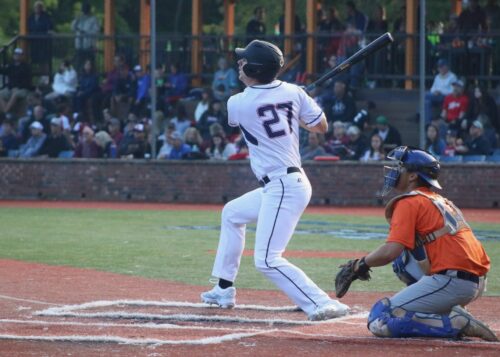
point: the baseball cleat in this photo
(329, 311)
(474, 327)
(224, 298)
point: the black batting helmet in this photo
(264, 60)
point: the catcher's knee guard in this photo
(378, 318)
(386, 321)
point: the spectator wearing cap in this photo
(35, 142)
(87, 147)
(128, 133)
(389, 134)
(179, 148)
(488, 130)
(455, 106)
(38, 114)
(226, 77)
(314, 147)
(56, 142)
(18, 75)
(477, 144)
(441, 87)
(138, 147)
(340, 106)
(8, 138)
(451, 143)
(357, 144)
(143, 85)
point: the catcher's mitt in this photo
(347, 275)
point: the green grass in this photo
(145, 243)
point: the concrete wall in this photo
(339, 183)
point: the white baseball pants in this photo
(277, 209)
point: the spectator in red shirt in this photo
(455, 105)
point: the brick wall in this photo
(340, 183)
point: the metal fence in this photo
(476, 58)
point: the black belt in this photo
(464, 275)
(265, 180)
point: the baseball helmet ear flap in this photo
(252, 69)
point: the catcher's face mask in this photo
(392, 173)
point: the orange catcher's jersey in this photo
(418, 215)
(268, 116)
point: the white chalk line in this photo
(149, 341)
(149, 325)
(145, 303)
(71, 311)
(133, 341)
(6, 297)
(176, 317)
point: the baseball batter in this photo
(435, 253)
(269, 113)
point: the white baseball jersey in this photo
(268, 116)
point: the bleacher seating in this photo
(451, 159)
(493, 158)
(474, 158)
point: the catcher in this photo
(434, 251)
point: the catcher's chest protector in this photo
(452, 216)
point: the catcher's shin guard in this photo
(385, 321)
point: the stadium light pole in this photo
(152, 5)
(422, 74)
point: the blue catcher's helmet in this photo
(413, 160)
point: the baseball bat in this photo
(372, 47)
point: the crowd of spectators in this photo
(84, 114)
(460, 119)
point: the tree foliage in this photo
(174, 16)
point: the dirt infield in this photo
(60, 311)
(472, 214)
